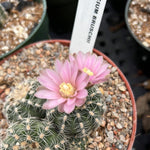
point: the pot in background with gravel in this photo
(137, 17)
(118, 125)
(22, 22)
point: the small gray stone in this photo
(108, 99)
(122, 88)
(119, 126)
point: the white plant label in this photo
(87, 21)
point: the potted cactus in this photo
(64, 106)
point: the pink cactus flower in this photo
(63, 87)
(92, 65)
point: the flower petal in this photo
(46, 94)
(58, 65)
(61, 107)
(101, 78)
(54, 76)
(82, 81)
(102, 68)
(71, 58)
(46, 82)
(80, 102)
(69, 108)
(104, 74)
(74, 73)
(82, 94)
(70, 101)
(53, 103)
(98, 63)
(81, 58)
(65, 72)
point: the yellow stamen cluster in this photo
(66, 89)
(88, 71)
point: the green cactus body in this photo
(19, 106)
(3, 16)
(83, 120)
(32, 134)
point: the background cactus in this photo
(21, 103)
(82, 121)
(30, 134)
(3, 16)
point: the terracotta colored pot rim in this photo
(67, 42)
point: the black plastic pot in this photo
(119, 5)
(143, 53)
(40, 32)
(62, 15)
(129, 28)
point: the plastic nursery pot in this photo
(40, 32)
(143, 52)
(134, 120)
(58, 2)
(118, 5)
(129, 28)
(62, 14)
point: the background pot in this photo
(40, 32)
(62, 15)
(67, 43)
(143, 55)
(119, 5)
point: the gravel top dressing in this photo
(22, 18)
(139, 20)
(116, 128)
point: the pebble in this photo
(119, 146)
(7, 91)
(122, 138)
(122, 88)
(108, 148)
(108, 99)
(109, 127)
(123, 109)
(98, 139)
(115, 115)
(103, 123)
(90, 140)
(119, 126)
(110, 134)
(113, 69)
(100, 145)
(3, 86)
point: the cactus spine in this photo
(31, 133)
(21, 103)
(82, 121)
(78, 143)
